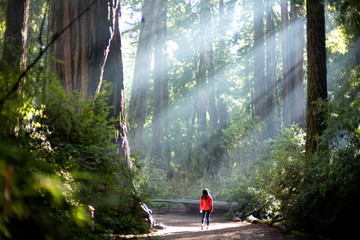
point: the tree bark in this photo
(16, 33)
(113, 72)
(316, 84)
(79, 50)
(138, 98)
(90, 51)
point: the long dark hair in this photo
(205, 193)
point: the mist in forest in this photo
(223, 37)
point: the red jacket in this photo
(206, 204)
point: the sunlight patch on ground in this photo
(215, 226)
(182, 229)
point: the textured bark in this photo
(138, 98)
(112, 71)
(316, 84)
(15, 38)
(90, 51)
(80, 47)
(259, 61)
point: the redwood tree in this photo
(316, 84)
(14, 51)
(80, 48)
(90, 52)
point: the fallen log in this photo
(244, 216)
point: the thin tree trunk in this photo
(286, 63)
(209, 63)
(292, 44)
(166, 145)
(259, 60)
(299, 98)
(222, 108)
(316, 84)
(203, 97)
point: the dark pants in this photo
(206, 214)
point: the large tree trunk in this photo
(80, 48)
(259, 61)
(112, 69)
(316, 84)
(90, 51)
(138, 98)
(272, 125)
(15, 38)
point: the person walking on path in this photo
(206, 207)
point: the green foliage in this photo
(317, 195)
(282, 171)
(349, 16)
(330, 191)
(58, 155)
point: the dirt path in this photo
(180, 225)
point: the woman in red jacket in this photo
(206, 207)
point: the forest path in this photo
(180, 225)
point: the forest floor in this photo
(182, 225)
